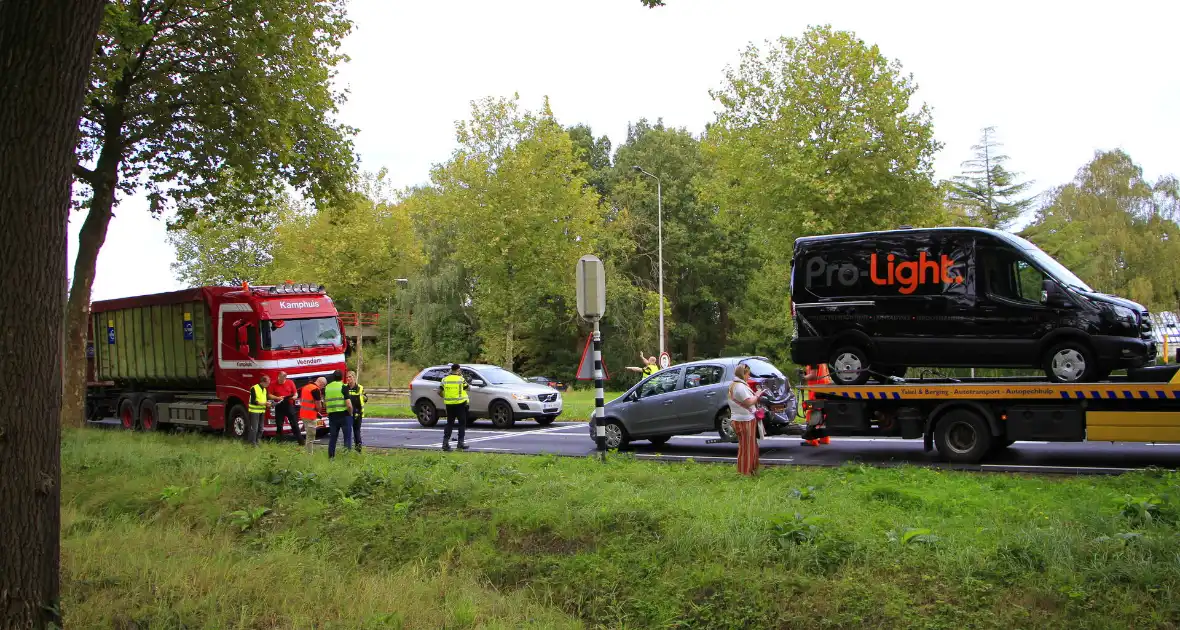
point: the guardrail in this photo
(359, 319)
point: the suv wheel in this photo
(501, 415)
(1070, 362)
(427, 413)
(849, 365)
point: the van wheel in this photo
(1070, 362)
(962, 436)
(849, 366)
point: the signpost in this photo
(665, 360)
(591, 307)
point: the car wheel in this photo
(849, 365)
(501, 415)
(659, 440)
(1070, 362)
(427, 413)
(616, 435)
(725, 426)
(546, 420)
(962, 436)
(235, 422)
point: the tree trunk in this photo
(45, 50)
(104, 182)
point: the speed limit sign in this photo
(665, 360)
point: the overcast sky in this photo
(1059, 80)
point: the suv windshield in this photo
(281, 334)
(500, 376)
(1050, 266)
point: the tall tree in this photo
(987, 192)
(819, 133)
(213, 251)
(1116, 230)
(45, 49)
(520, 215)
(594, 153)
(183, 92)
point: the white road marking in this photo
(438, 430)
(506, 435)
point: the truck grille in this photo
(1145, 325)
(547, 398)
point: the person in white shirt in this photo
(741, 413)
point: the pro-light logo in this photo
(303, 304)
(907, 276)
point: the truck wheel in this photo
(127, 414)
(962, 436)
(235, 422)
(849, 365)
(501, 415)
(1070, 362)
(427, 413)
(147, 415)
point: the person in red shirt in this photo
(282, 392)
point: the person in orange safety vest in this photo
(311, 408)
(815, 434)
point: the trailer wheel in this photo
(235, 422)
(147, 415)
(127, 414)
(849, 365)
(962, 436)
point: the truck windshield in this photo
(1050, 266)
(281, 334)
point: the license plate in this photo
(550, 409)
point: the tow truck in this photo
(967, 420)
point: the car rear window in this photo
(434, 375)
(762, 369)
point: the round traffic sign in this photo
(665, 360)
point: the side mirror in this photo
(478, 382)
(1053, 296)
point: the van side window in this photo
(1008, 276)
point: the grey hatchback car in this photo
(693, 398)
(494, 392)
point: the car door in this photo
(480, 396)
(702, 394)
(1011, 316)
(653, 412)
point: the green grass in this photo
(578, 405)
(167, 531)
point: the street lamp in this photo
(660, 238)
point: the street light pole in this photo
(660, 241)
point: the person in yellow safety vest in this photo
(650, 366)
(311, 409)
(814, 434)
(256, 409)
(356, 393)
(454, 394)
(339, 409)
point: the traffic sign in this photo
(665, 360)
(591, 288)
(586, 368)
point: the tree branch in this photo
(84, 174)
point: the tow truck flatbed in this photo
(967, 419)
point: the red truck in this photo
(188, 358)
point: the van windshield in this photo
(1052, 267)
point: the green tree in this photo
(987, 193)
(519, 214)
(45, 49)
(213, 251)
(594, 154)
(183, 92)
(1116, 230)
(817, 134)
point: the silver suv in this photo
(495, 393)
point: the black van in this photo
(872, 304)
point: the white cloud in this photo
(1059, 80)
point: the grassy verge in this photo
(578, 405)
(187, 531)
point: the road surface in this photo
(573, 439)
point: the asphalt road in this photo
(573, 439)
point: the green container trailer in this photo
(163, 344)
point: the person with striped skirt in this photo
(741, 414)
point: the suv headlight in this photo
(1123, 314)
(524, 397)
